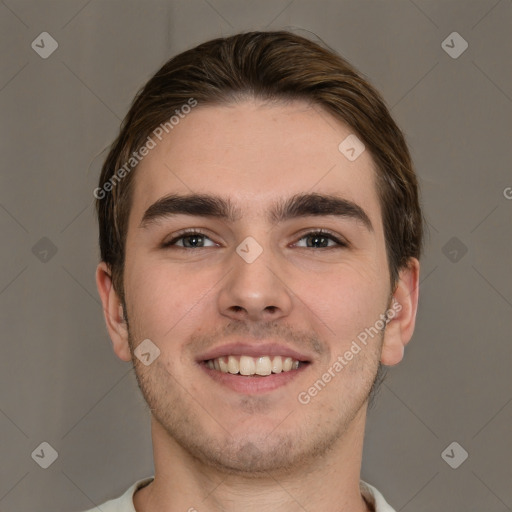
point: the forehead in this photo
(255, 153)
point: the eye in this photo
(321, 238)
(190, 240)
(193, 239)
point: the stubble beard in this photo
(286, 448)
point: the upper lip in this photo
(256, 349)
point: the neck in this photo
(183, 483)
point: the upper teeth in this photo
(247, 365)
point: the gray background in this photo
(60, 381)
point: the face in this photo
(256, 287)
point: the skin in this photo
(215, 448)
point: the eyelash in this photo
(191, 232)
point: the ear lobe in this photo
(113, 312)
(402, 314)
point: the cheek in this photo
(163, 298)
(347, 300)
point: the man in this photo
(260, 235)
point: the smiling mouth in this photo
(254, 366)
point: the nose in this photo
(255, 291)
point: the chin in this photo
(253, 458)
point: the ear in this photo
(401, 314)
(113, 311)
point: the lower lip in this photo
(253, 385)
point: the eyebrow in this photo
(296, 206)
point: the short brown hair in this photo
(269, 66)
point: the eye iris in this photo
(316, 237)
(195, 238)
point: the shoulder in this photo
(125, 502)
(374, 498)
